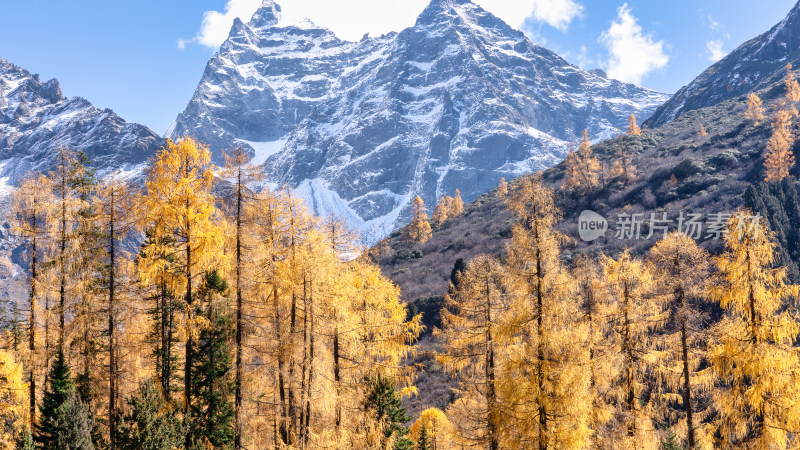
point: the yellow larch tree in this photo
(681, 269)
(293, 272)
(14, 419)
(457, 205)
(269, 380)
(374, 338)
(701, 131)
(86, 329)
(603, 363)
(755, 109)
(623, 167)
(31, 205)
(545, 368)
(755, 360)
(64, 221)
(419, 230)
(240, 210)
(502, 187)
(178, 197)
(572, 173)
(628, 282)
(633, 128)
(116, 213)
(437, 427)
(791, 85)
(338, 317)
(582, 169)
(325, 324)
(780, 159)
(442, 210)
(472, 349)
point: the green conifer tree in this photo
(424, 441)
(25, 441)
(66, 422)
(212, 382)
(152, 423)
(388, 409)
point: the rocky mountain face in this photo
(459, 100)
(36, 119)
(754, 65)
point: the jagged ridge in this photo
(360, 128)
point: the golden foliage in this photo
(791, 85)
(442, 210)
(544, 369)
(419, 230)
(437, 426)
(681, 270)
(780, 159)
(502, 187)
(13, 400)
(633, 128)
(472, 349)
(603, 360)
(582, 170)
(755, 359)
(755, 110)
(457, 205)
(628, 282)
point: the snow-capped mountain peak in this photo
(458, 100)
(36, 119)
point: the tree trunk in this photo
(687, 387)
(310, 369)
(239, 320)
(63, 265)
(630, 397)
(187, 371)
(112, 358)
(491, 396)
(337, 378)
(540, 341)
(304, 366)
(32, 327)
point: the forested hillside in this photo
(233, 320)
(184, 314)
(711, 161)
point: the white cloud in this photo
(216, 25)
(715, 52)
(556, 13)
(351, 19)
(713, 24)
(717, 37)
(633, 54)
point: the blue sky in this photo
(143, 59)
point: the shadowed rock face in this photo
(35, 120)
(360, 128)
(754, 65)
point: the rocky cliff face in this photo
(360, 128)
(756, 64)
(36, 119)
